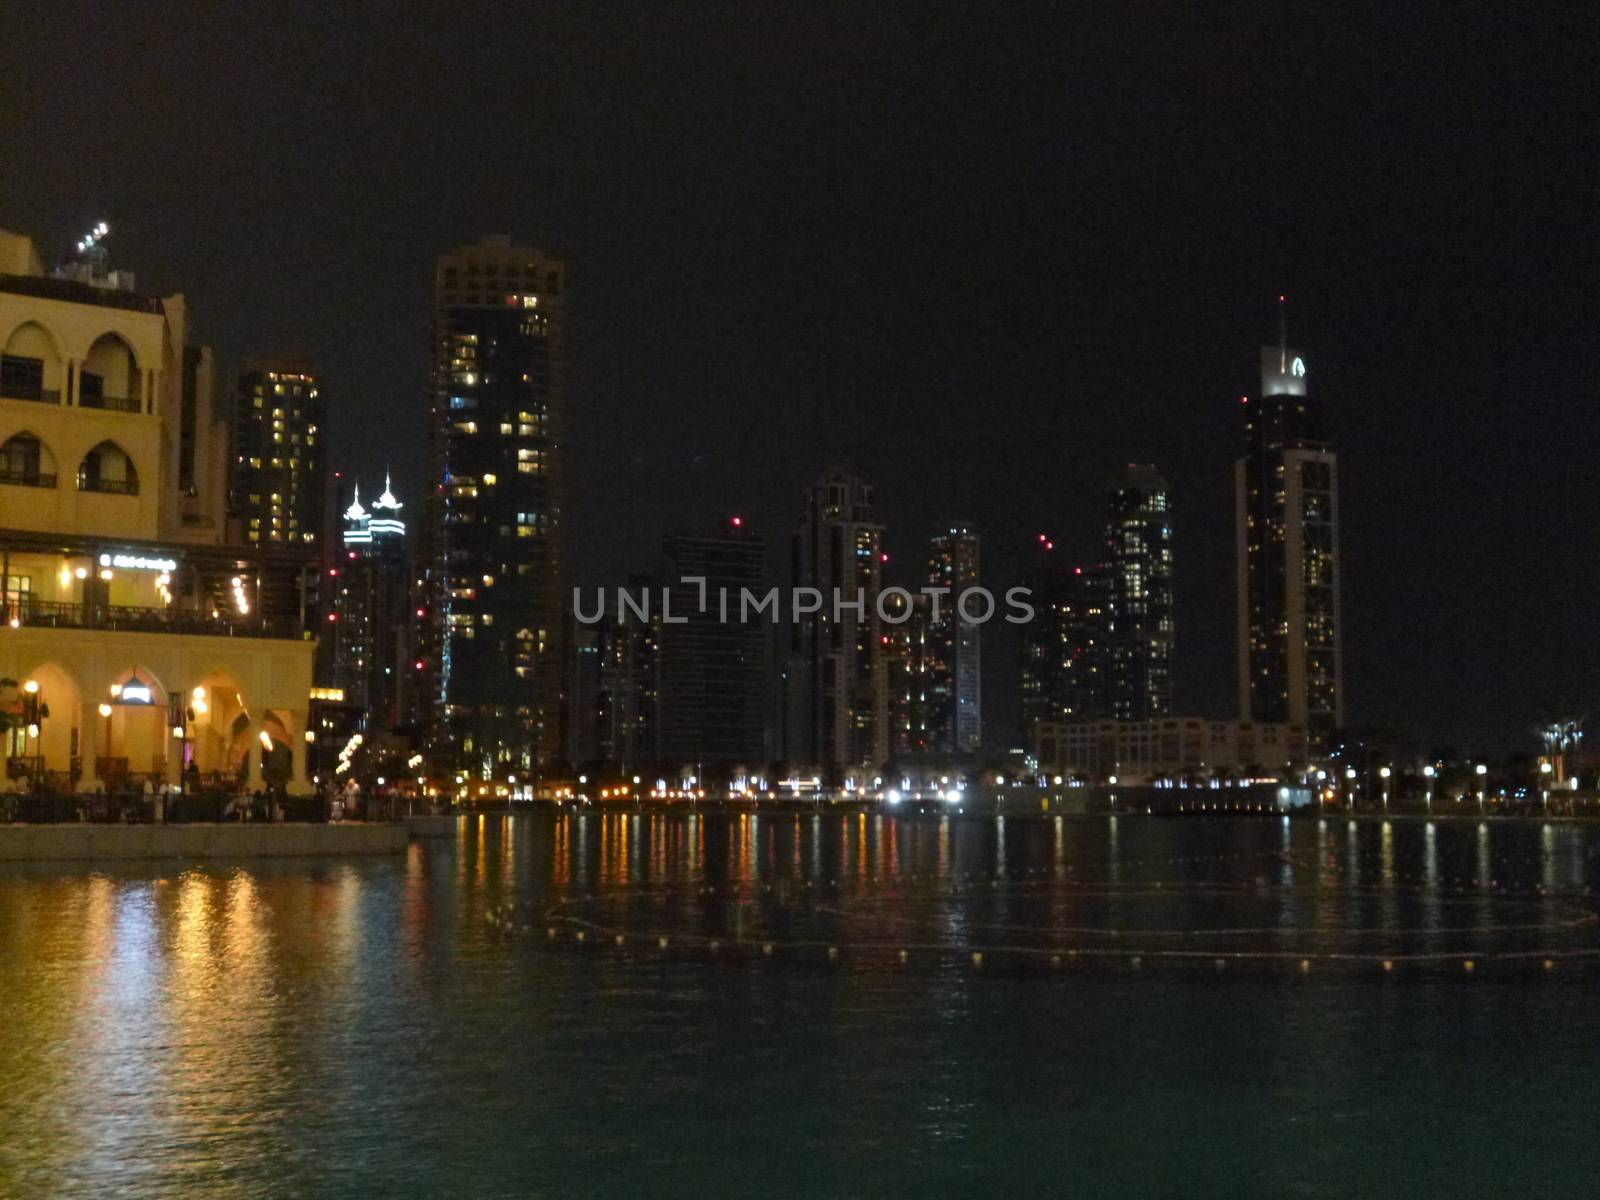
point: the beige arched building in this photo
(138, 633)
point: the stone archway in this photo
(45, 743)
(133, 735)
(218, 728)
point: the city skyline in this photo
(749, 316)
(498, 355)
(1005, 593)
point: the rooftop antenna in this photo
(1283, 336)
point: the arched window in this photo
(30, 368)
(107, 468)
(110, 377)
(27, 461)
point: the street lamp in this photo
(1383, 774)
(1482, 772)
(105, 711)
(1544, 785)
(1428, 773)
(34, 711)
(1350, 786)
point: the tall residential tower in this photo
(491, 548)
(712, 680)
(278, 477)
(836, 702)
(955, 719)
(1139, 566)
(371, 599)
(1286, 503)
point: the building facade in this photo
(1066, 654)
(1286, 500)
(910, 655)
(629, 678)
(952, 649)
(140, 640)
(836, 693)
(713, 664)
(1179, 750)
(278, 477)
(1139, 632)
(490, 547)
(371, 624)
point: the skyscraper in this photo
(1286, 503)
(1046, 646)
(278, 482)
(955, 718)
(370, 580)
(909, 667)
(629, 681)
(612, 677)
(1066, 659)
(1139, 577)
(836, 703)
(712, 695)
(491, 545)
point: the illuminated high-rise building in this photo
(610, 702)
(1286, 502)
(953, 684)
(491, 561)
(277, 479)
(836, 687)
(1066, 659)
(910, 668)
(1138, 577)
(370, 630)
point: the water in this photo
(360, 1028)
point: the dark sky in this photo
(983, 253)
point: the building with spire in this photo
(1286, 503)
(370, 630)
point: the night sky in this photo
(982, 254)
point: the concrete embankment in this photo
(42, 843)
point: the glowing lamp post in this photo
(34, 712)
(1545, 770)
(1383, 774)
(1428, 773)
(1350, 786)
(1482, 771)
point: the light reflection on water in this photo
(356, 1028)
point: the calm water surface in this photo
(362, 1027)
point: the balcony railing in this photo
(115, 487)
(111, 403)
(125, 619)
(27, 478)
(12, 391)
